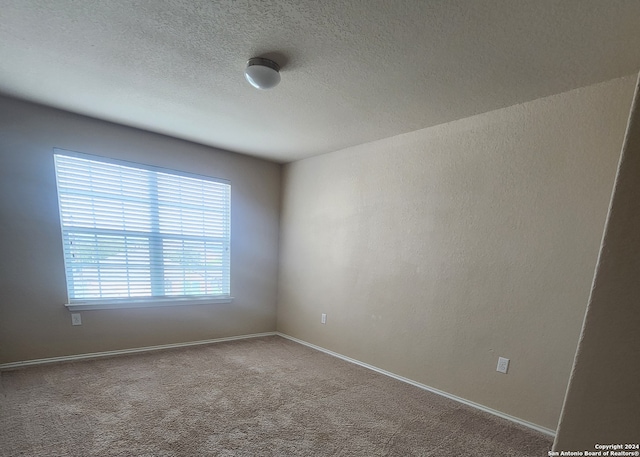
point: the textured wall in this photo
(603, 400)
(33, 321)
(437, 251)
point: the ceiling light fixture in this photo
(262, 73)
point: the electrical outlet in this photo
(503, 365)
(76, 319)
(323, 318)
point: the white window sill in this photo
(115, 304)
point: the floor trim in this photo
(97, 355)
(486, 409)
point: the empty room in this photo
(319, 228)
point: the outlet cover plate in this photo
(76, 319)
(503, 365)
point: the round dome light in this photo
(262, 73)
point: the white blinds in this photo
(139, 232)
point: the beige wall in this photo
(33, 321)
(603, 400)
(437, 251)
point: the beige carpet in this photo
(256, 397)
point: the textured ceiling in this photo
(353, 70)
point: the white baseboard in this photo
(97, 355)
(531, 425)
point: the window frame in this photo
(153, 300)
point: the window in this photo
(137, 235)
